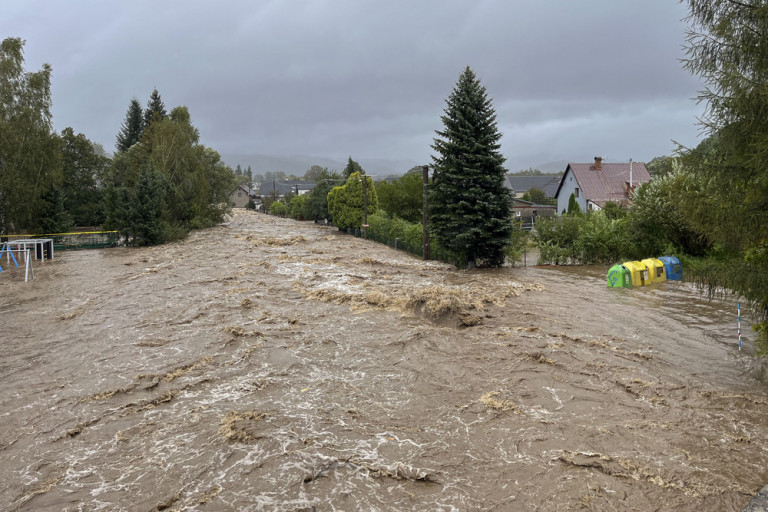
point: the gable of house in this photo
(593, 185)
(241, 195)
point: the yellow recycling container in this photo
(639, 273)
(656, 271)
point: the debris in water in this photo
(238, 427)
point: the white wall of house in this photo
(570, 186)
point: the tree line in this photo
(160, 183)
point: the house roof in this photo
(610, 183)
(548, 184)
(519, 203)
(251, 192)
(282, 188)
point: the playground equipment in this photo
(6, 250)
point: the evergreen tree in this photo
(54, 217)
(132, 127)
(351, 168)
(147, 208)
(469, 206)
(155, 110)
(317, 209)
(347, 203)
(573, 205)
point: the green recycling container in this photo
(619, 276)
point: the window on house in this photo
(576, 192)
(239, 194)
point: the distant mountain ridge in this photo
(300, 164)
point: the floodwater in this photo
(268, 364)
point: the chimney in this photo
(598, 163)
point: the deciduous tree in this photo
(30, 157)
(83, 178)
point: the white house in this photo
(593, 185)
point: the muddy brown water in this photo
(267, 364)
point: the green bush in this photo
(299, 207)
(585, 239)
(279, 209)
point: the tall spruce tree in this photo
(155, 110)
(133, 125)
(469, 206)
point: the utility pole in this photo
(365, 207)
(425, 218)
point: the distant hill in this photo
(300, 164)
(553, 167)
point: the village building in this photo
(595, 184)
(240, 197)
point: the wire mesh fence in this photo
(78, 240)
(436, 252)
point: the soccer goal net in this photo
(15, 262)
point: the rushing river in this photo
(268, 364)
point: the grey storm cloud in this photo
(569, 79)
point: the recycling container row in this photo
(647, 271)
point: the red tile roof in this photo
(610, 182)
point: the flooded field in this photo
(268, 364)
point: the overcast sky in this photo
(569, 79)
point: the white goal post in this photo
(11, 259)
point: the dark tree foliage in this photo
(351, 168)
(317, 208)
(403, 198)
(185, 184)
(30, 157)
(469, 206)
(155, 110)
(727, 182)
(83, 177)
(147, 208)
(573, 205)
(54, 217)
(132, 127)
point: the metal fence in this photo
(436, 252)
(81, 240)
